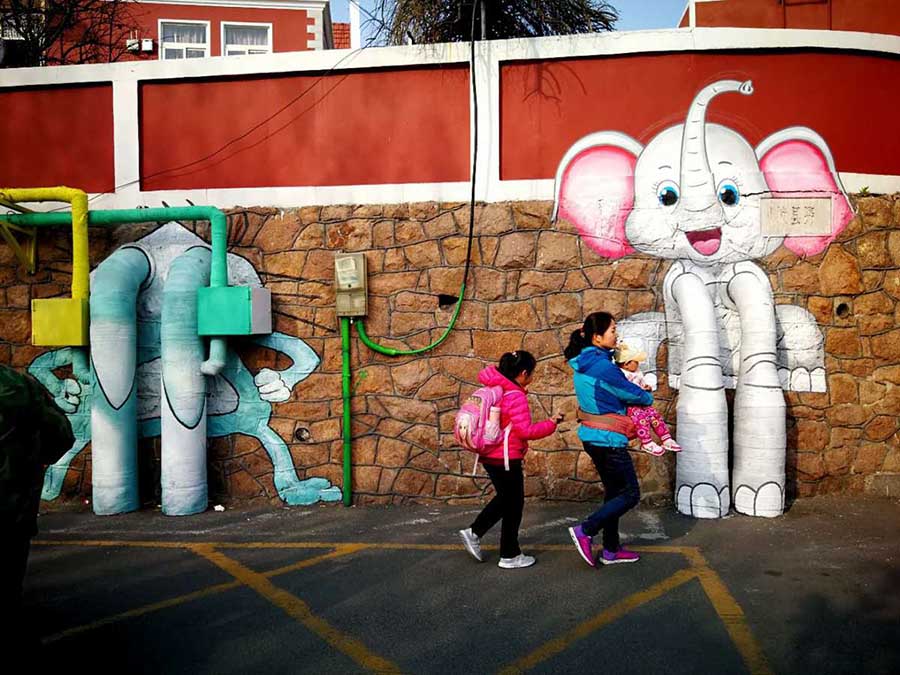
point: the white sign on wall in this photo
(783, 217)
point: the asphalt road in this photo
(327, 589)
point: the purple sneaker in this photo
(623, 555)
(583, 544)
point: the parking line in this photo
(723, 602)
(196, 595)
(140, 611)
(607, 616)
(297, 609)
(733, 617)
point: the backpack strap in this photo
(506, 446)
(506, 439)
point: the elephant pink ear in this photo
(595, 190)
(796, 162)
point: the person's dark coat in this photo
(34, 432)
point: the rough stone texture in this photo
(530, 284)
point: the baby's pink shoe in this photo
(653, 448)
(670, 445)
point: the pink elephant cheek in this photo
(597, 197)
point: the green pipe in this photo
(345, 393)
(390, 351)
(218, 272)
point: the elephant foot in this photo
(767, 501)
(309, 491)
(702, 500)
(53, 482)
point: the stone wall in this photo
(530, 285)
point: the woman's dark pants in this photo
(621, 492)
(507, 505)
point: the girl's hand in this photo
(646, 387)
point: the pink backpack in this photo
(477, 423)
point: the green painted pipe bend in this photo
(218, 273)
(219, 228)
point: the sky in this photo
(633, 14)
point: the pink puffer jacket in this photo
(513, 409)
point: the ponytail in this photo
(596, 323)
(577, 342)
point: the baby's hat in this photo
(624, 354)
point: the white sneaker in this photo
(472, 543)
(670, 445)
(653, 448)
(520, 560)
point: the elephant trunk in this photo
(116, 284)
(698, 190)
(183, 392)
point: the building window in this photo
(183, 39)
(246, 38)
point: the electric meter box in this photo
(350, 284)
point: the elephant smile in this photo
(705, 242)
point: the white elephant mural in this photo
(694, 195)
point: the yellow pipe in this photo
(79, 201)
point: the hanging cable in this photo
(390, 351)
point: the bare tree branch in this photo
(427, 21)
(67, 31)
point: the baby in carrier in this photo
(646, 419)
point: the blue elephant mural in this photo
(236, 401)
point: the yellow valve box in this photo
(60, 322)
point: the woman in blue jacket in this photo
(603, 394)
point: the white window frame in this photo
(183, 45)
(257, 24)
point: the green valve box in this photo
(234, 310)
(60, 322)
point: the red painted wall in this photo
(291, 28)
(868, 16)
(545, 107)
(364, 128)
(57, 136)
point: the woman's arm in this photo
(615, 382)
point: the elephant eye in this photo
(728, 193)
(667, 192)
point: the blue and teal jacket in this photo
(601, 388)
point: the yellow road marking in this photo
(733, 617)
(297, 609)
(140, 611)
(607, 616)
(196, 595)
(385, 546)
(723, 602)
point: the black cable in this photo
(234, 140)
(474, 145)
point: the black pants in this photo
(621, 489)
(507, 505)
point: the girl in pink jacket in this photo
(513, 374)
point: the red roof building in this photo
(869, 16)
(187, 29)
